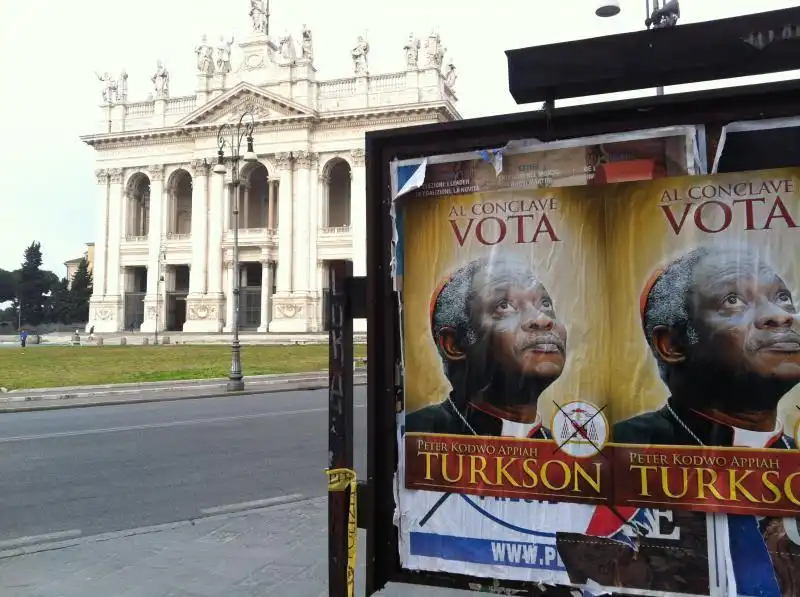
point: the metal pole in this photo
(340, 421)
(243, 130)
(235, 380)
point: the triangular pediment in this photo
(228, 107)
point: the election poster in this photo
(600, 377)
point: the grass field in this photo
(54, 366)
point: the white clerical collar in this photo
(516, 429)
(746, 438)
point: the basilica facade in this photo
(164, 242)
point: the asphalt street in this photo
(85, 471)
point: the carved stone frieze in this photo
(304, 159)
(102, 176)
(156, 172)
(202, 311)
(288, 310)
(116, 175)
(358, 156)
(199, 168)
(103, 314)
(283, 160)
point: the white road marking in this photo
(274, 501)
(33, 539)
(20, 438)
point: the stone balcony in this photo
(257, 237)
(352, 93)
(335, 242)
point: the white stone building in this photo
(164, 241)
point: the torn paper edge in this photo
(744, 126)
(414, 182)
(522, 146)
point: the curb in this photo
(359, 380)
(157, 386)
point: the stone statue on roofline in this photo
(224, 55)
(160, 80)
(360, 55)
(411, 50)
(259, 14)
(307, 46)
(205, 57)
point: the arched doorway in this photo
(180, 203)
(254, 198)
(138, 206)
(337, 212)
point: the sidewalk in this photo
(279, 551)
(133, 393)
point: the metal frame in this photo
(384, 400)
(752, 44)
(237, 135)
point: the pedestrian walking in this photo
(23, 338)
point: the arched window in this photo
(180, 202)
(338, 204)
(138, 208)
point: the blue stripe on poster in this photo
(542, 556)
(404, 174)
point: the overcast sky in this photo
(50, 95)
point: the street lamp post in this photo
(664, 13)
(243, 130)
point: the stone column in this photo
(266, 294)
(113, 298)
(198, 271)
(216, 222)
(314, 209)
(285, 227)
(358, 212)
(206, 301)
(244, 205)
(153, 301)
(358, 221)
(301, 237)
(230, 302)
(101, 235)
(324, 198)
(96, 310)
(271, 187)
(284, 309)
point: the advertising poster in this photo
(601, 382)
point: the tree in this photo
(59, 303)
(32, 285)
(8, 286)
(80, 293)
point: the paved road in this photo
(103, 469)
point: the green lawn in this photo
(53, 366)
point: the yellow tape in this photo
(339, 479)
